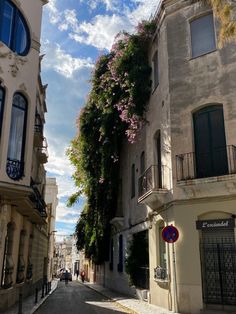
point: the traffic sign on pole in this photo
(170, 234)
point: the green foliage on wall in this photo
(114, 111)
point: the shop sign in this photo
(215, 224)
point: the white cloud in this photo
(70, 20)
(111, 5)
(144, 10)
(67, 215)
(54, 14)
(63, 62)
(101, 31)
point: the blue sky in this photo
(74, 34)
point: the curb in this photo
(37, 305)
(112, 299)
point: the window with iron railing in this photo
(150, 180)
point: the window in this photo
(2, 94)
(158, 154)
(120, 264)
(133, 181)
(111, 255)
(160, 272)
(142, 163)
(21, 263)
(210, 144)
(15, 157)
(13, 29)
(8, 264)
(155, 70)
(162, 247)
(202, 35)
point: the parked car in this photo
(62, 277)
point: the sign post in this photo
(170, 234)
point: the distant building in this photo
(63, 255)
(51, 192)
(23, 152)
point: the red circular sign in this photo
(170, 234)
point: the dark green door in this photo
(210, 144)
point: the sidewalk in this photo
(135, 306)
(28, 304)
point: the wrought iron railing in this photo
(38, 200)
(154, 178)
(44, 148)
(15, 169)
(38, 128)
(221, 161)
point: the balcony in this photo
(217, 167)
(15, 169)
(220, 162)
(153, 186)
(37, 199)
(43, 152)
(38, 131)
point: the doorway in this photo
(218, 262)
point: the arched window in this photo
(14, 31)
(158, 158)
(111, 255)
(15, 156)
(120, 264)
(162, 246)
(133, 181)
(210, 145)
(142, 163)
(21, 262)
(2, 96)
(8, 264)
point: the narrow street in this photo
(77, 298)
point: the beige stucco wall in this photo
(186, 85)
(20, 74)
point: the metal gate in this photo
(218, 258)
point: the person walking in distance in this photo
(77, 274)
(82, 274)
(66, 277)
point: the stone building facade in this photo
(182, 171)
(51, 192)
(23, 151)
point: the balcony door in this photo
(210, 144)
(158, 149)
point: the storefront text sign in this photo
(215, 224)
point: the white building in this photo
(23, 151)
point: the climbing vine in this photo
(114, 111)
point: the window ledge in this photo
(163, 281)
(204, 54)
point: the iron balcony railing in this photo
(154, 178)
(15, 169)
(37, 199)
(38, 128)
(44, 148)
(218, 162)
